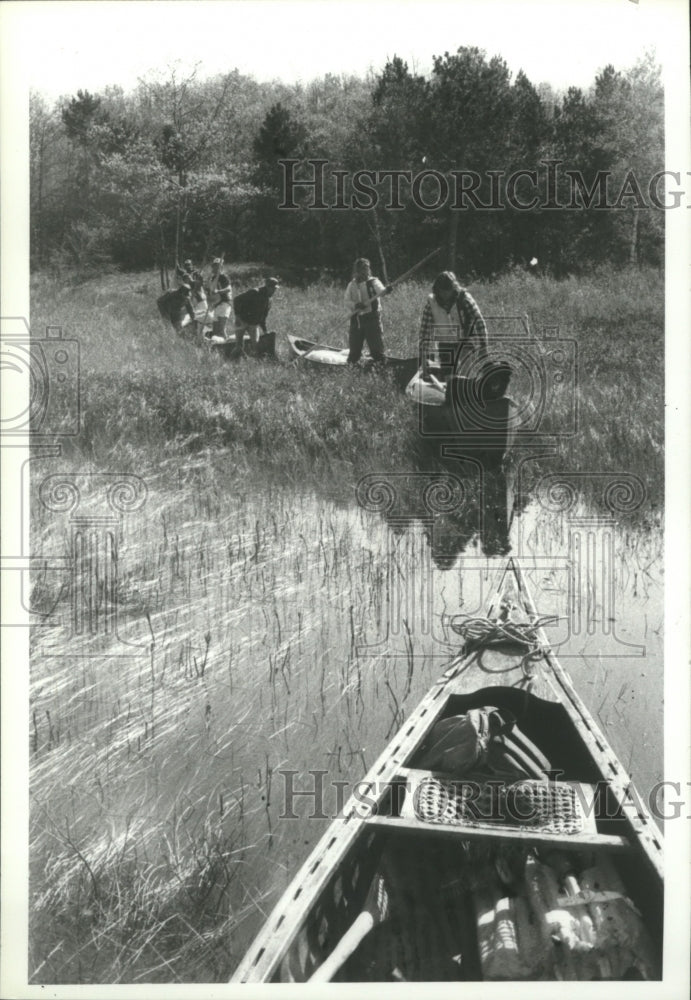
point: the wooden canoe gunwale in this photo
(330, 857)
(642, 824)
(332, 847)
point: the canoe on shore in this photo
(322, 357)
(497, 837)
(264, 348)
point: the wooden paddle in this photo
(375, 910)
(429, 377)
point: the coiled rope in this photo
(483, 633)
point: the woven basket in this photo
(545, 806)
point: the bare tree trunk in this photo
(181, 213)
(162, 267)
(452, 242)
(206, 254)
(177, 231)
(633, 248)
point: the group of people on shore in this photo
(450, 315)
(208, 304)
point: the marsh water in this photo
(268, 643)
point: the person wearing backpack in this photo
(364, 309)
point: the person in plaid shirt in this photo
(451, 316)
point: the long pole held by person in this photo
(404, 276)
(397, 281)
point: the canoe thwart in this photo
(499, 832)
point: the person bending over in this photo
(251, 310)
(174, 306)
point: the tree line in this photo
(187, 168)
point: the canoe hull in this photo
(320, 357)
(453, 418)
(264, 348)
(420, 868)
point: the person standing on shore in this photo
(219, 297)
(185, 271)
(451, 317)
(199, 303)
(364, 309)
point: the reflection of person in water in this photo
(495, 522)
(450, 535)
(486, 516)
(483, 517)
(484, 513)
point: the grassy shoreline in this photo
(148, 393)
